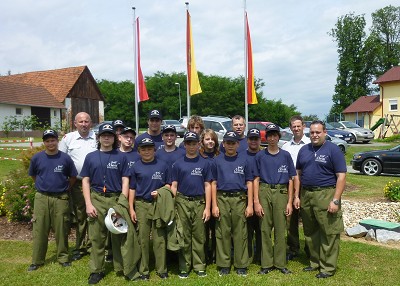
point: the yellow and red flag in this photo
(251, 91)
(193, 77)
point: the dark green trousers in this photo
(321, 229)
(293, 240)
(232, 223)
(77, 200)
(50, 211)
(159, 235)
(274, 203)
(98, 235)
(190, 214)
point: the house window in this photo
(392, 104)
(54, 113)
(18, 111)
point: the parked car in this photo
(361, 134)
(341, 134)
(95, 129)
(219, 124)
(286, 135)
(373, 163)
(179, 128)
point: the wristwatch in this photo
(336, 202)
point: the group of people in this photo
(232, 203)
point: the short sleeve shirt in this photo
(274, 168)
(170, 157)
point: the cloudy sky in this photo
(292, 51)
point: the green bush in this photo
(2, 200)
(392, 191)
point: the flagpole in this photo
(246, 108)
(187, 61)
(136, 71)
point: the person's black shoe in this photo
(224, 271)
(323, 275)
(266, 270)
(66, 264)
(95, 278)
(163, 275)
(285, 271)
(241, 272)
(108, 258)
(78, 256)
(34, 267)
(291, 256)
(310, 268)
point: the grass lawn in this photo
(359, 264)
(8, 165)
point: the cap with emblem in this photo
(272, 127)
(231, 136)
(155, 114)
(146, 142)
(191, 136)
(169, 128)
(49, 133)
(128, 129)
(118, 123)
(106, 128)
(253, 132)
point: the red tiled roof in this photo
(391, 75)
(58, 82)
(25, 94)
(364, 104)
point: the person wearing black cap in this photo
(232, 203)
(273, 198)
(253, 226)
(239, 127)
(105, 175)
(54, 174)
(148, 175)
(191, 183)
(118, 125)
(127, 139)
(169, 153)
(154, 130)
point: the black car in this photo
(372, 163)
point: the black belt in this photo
(53, 194)
(141, 199)
(317, 188)
(276, 186)
(231, 194)
(107, 195)
(192, 198)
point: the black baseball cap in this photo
(272, 127)
(155, 114)
(253, 132)
(118, 123)
(128, 129)
(168, 128)
(191, 136)
(106, 128)
(231, 136)
(49, 133)
(146, 142)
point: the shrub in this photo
(2, 200)
(392, 191)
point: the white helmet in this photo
(115, 223)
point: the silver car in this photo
(361, 134)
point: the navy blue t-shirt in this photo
(232, 173)
(319, 165)
(170, 157)
(251, 157)
(52, 172)
(158, 141)
(147, 177)
(131, 157)
(105, 169)
(191, 173)
(274, 168)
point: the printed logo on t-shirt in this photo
(157, 176)
(131, 163)
(283, 169)
(59, 169)
(112, 165)
(321, 158)
(197, 172)
(239, 170)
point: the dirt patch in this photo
(22, 231)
